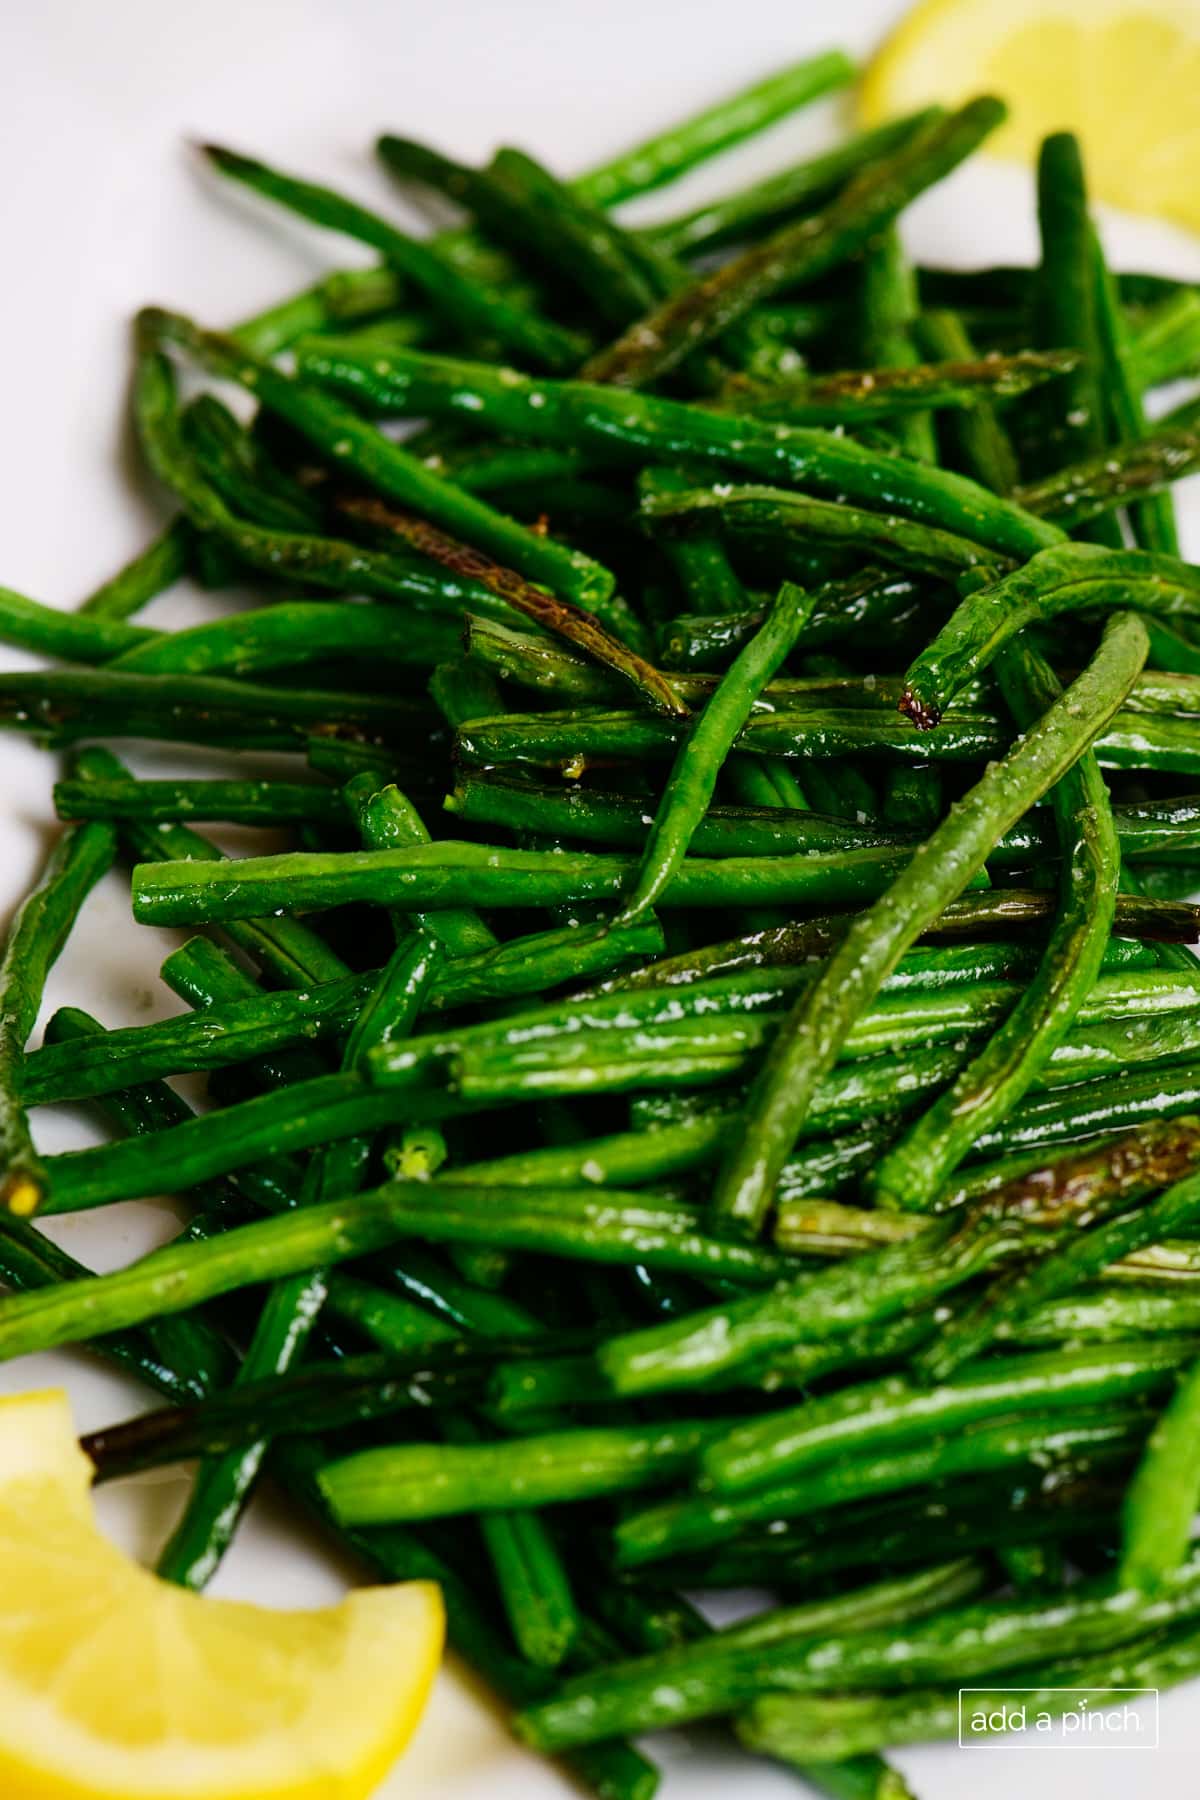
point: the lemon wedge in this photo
(1119, 73)
(115, 1685)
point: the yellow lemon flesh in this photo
(1119, 73)
(115, 1685)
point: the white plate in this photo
(101, 210)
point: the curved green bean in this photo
(35, 938)
(694, 774)
(1071, 578)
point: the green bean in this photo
(570, 622)
(866, 1777)
(533, 1583)
(1071, 578)
(889, 309)
(598, 817)
(36, 936)
(421, 1481)
(360, 450)
(382, 1317)
(795, 253)
(1093, 1107)
(746, 212)
(448, 874)
(478, 312)
(458, 1302)
(210, 1040)
(90, 636)
(919, 549)
(1141, 465)
(293, 634)
(1103, 1177)
(211, 978)
(693, 779)
(1151, 519)
(343, 297)
(929, 987)
(892, 1412)
(1101, 1315)
(157, 567)
(543, 960)
(616, 1228)
(648, 1618)
(693, 1052)
(912, 800)
(1096, 1436)
(342, 1392)
(807, 1046)
(573, 739)
(779, 1079)
(69, 704)
(1160, 1502)
(1064, 1268)
(713, 1676)
(1071, 412)
(298, 1116)
(664, 158)
(636, 426)
(241, 802)
(860, 396)
(1185, 416)
(628, 1159)
(523, 965)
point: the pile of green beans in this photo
(703, 1074)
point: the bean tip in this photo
(923, 715)
(229, 162)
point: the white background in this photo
(103, 209)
